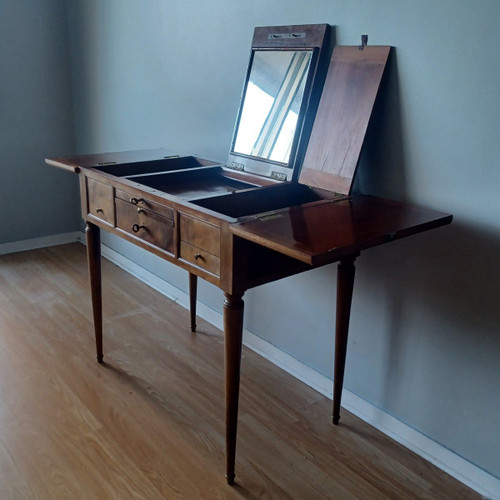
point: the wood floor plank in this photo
(149, 423)
(13, 485)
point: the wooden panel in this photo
(146, 225)
(200, 258)
(100, 201)
(342, 119)
(200, 234)
(325, 232)
(141, 202)
(74, 163)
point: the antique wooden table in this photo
(239, 230)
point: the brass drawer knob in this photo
(136, 228)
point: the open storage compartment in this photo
(263, 200)
(194, 183)
(167, 164)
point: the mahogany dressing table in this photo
(283, 203)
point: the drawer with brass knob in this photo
(145, 224)
(200, 258)
(140, 202)
(100, 201)
(200, 243)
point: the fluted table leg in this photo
(233, 328)
(345, 285)
(193, 292)
(92, 234)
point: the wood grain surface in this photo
(321, 233)
(341, 122)
(149, 422)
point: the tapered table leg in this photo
(193, 292)
(345, 284)
(233, 328)
(94, 259)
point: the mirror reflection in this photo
(271, 104)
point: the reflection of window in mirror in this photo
(271, 104)
(256, 107)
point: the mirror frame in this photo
(314, 38)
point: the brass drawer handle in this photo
(198, 256)
(136, 228)
(141, 211)
(135, 201)
(99, 210)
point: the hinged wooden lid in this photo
(344, 111)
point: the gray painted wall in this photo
(424, 343)
(35, 120)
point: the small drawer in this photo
(100, 201)
(200, 258)
(145, 225)
(145, 203)
(200, 234)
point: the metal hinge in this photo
(268, 216)
(236, 166)
(279, 176)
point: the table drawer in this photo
(100, 200)
(200, 234)
(145, 203)
(145, 224)
(200, 258)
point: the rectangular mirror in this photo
(279, 99)
(271, 104)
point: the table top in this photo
(325, 232)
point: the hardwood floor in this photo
(149, 423)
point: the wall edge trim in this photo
(42, 242)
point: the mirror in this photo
(271, 105)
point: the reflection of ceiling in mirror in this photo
(268, 69)
(271, 104)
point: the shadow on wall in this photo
(381, 167)
(438, 356)
(453, 274)
(465, 277)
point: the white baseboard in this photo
(451, 463)
(45, 241)
(456, 466)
